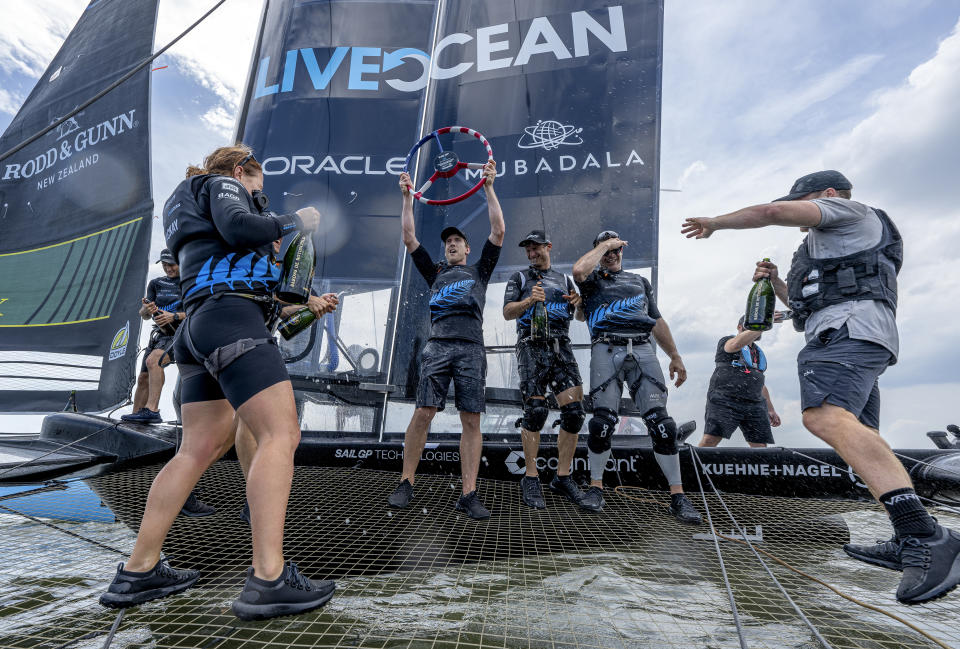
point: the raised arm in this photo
(800, 214)
(741, 340)
(408, 230)
(661, 333)
(589, 261)
(497, 227)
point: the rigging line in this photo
(113, 629)
(743, 533)
(723, 567)
(61, 529)
(849, 598)
(147, 61)
(938, 468)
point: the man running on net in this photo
(847, 309)
(621, 314)
(543, 363)
(737, 396)
(455, 348)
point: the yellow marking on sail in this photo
(63, 243)
(2, 300)
(55, 324)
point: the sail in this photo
(567, 93)
(75, 216)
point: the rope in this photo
(113, 629)
(147, 61)
(65, 531)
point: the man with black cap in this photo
(455, 347)
(164, 305)
(621, 314)
(544, 363)
(842, 287)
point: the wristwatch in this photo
(176, 317)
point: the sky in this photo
(755, 94)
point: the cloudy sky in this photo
(755, 93)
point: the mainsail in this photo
(75, 214)
(568, 94)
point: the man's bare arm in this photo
(741, 340)
(497, 227)
(408, 231)
(800, 214)
(661, 333)
(589, 261)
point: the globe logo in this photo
(549, 135)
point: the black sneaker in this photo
(402, 495)
(881, 553)
(291, 593)
(566, 487)
(134, 416)
(245, 512)
(683, 510)
(132, 588)
(532, 492)
(471, 504)
(592, 499)
(196, 508)
(931, 566)
(151, 416)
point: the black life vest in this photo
(871, 274)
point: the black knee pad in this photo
(535, 413)
(663, 431)
(572, 417)
(601, 426)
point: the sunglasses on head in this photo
(245, 160)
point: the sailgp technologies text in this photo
(785, 470)
(488, 48)
(396, 454)
(71, 140)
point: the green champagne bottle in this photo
(296, 322)
(539, 322)
(298, 266)
(760, 304)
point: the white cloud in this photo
(32, 33)
(10, 102)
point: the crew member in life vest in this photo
(621, 315)
(455, 349)
(543, 363)
(842, 287)
(737, 396)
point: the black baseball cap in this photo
(535, 236)
(603, 236)
(816, 182)
(450, 230)
(166, 257)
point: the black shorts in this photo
(842, 371)
(463, 361)
(158, 340)
(218, 323)
(725, 415)
(542, 366)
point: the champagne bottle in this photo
(296, 322)
(760, 304)
(539, 323)
(298, 266)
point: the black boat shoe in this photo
(566, 487)
(471, 505)
(402, 495)
(931, 566)
(683, 510)
(532, 492)
(592, 499)
(144, 416)
(196, 508)
(881, 553)
(133, 588)
(289, 594)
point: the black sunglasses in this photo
(245, 160)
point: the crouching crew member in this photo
(455, 347)
(737, 397)
(217, 227)
(621, 314)
(547, 363)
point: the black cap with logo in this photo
(451, 230)
(816, 182)
(535, 236)
(603, 236)
(166, 257)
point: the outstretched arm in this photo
(497, 228)
(408, 230)
(800, 214)
(661, 333)
(741, 340)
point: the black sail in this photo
(75, 216)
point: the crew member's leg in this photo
(533, 366)
(245, 446)
(142, 391)
(835, 398)
(572, 417)
(155, 370)
(603, 421)
(469, 364)
(755, 424)
(719, 422)
(649, 393)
